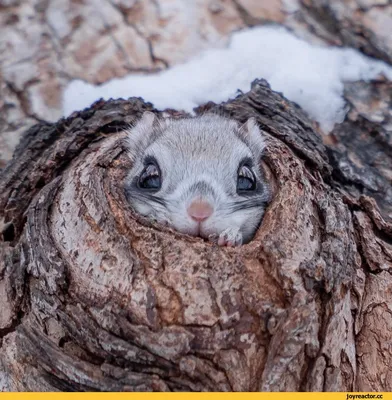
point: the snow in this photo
(310, 75)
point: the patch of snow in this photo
(312, 76)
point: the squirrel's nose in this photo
(199, 210)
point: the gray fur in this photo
(199, 158)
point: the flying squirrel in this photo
(200, 175)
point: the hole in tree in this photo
(9, 232)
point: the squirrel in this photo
(200, 175)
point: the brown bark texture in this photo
(94, 297)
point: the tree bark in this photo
(94, 297)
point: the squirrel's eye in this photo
(246, 180)
(150, 178)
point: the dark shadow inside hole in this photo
(9, 232)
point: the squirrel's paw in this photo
(230, 237)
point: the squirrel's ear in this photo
(251, 135)
(147, 120)
(146, 130)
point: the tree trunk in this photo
(94, 297)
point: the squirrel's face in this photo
(199, 175)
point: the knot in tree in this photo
(97, 297)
